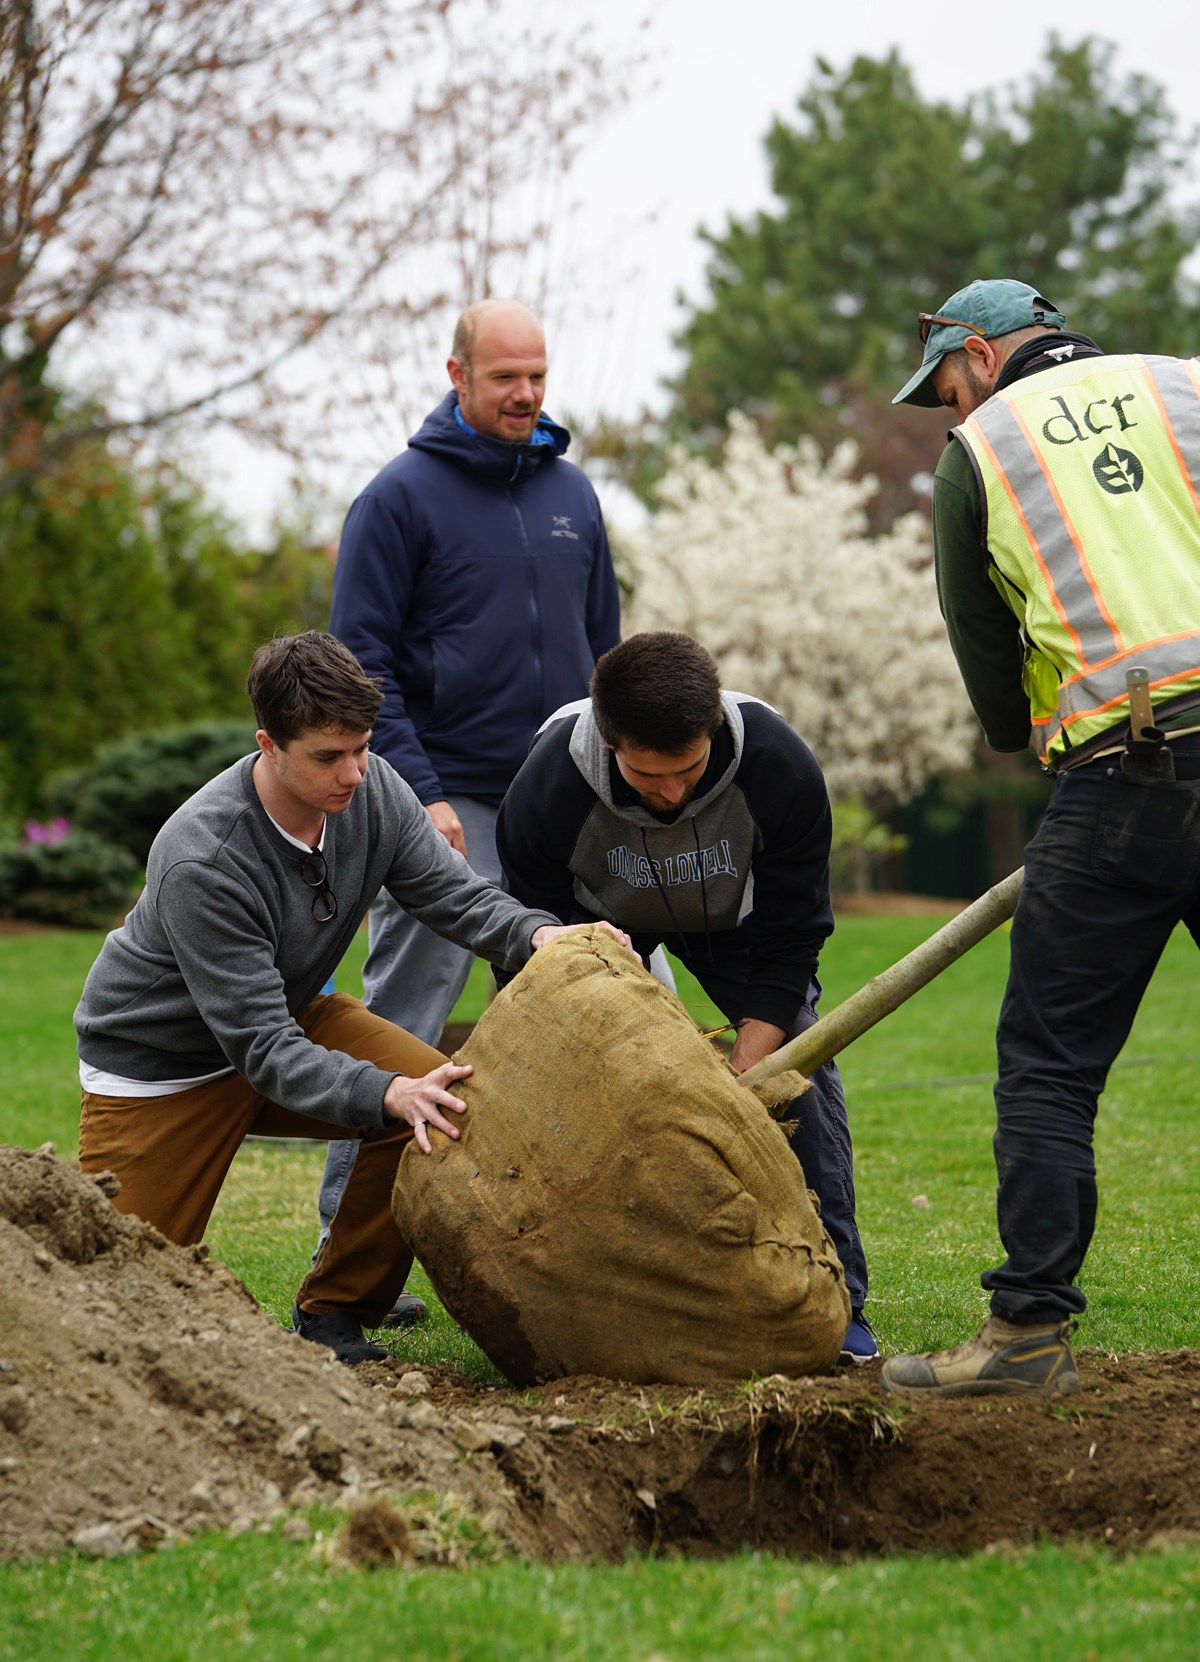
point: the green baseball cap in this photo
(989, 306)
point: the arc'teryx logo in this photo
(562, 527)
(1118, 471)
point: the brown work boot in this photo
(1003, 1359)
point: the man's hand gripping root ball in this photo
(417, 1101)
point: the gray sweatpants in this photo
(413, 977)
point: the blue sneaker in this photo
(859, 1344)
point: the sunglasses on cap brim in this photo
(928, 321)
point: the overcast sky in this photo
(688, 150)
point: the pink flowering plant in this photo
(48, 835)
(57, 875)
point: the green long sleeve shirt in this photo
(985, 635)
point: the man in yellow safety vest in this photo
(1066, 521)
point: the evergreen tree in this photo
(127, 603)
(890, 202)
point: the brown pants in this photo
(172, 1153)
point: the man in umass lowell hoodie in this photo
(681, 813)
(474, 580)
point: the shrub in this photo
(80, 880)
(136, 783)
(860, 843)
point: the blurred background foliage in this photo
(130, 604)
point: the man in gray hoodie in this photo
(202, 1019)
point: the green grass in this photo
(919, 1090)
(264, 1598)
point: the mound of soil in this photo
(144, 1396)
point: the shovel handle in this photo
(891, 987)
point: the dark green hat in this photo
(989, 306)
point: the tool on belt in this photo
(1146, 748)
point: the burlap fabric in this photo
(618, 1203)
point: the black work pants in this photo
(1111, 870)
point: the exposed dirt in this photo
(143, 1395)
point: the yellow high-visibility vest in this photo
(1090, 477)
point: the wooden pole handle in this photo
(889, 989)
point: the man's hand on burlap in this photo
(755, 1040)
(551, 932)
(417, 1102)
(448, 823)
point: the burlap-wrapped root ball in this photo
(618, 1203)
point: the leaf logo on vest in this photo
(562, 527)
(1118, 471)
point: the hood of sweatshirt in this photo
(442, 434)
(591, 756)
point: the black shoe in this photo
(341, 1332)
(408, 1311)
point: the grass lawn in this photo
(919, 1091)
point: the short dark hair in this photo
(660, 690)
(310, 681)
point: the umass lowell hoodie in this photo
(736, 882)
(474, 578)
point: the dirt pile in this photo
(143, 1395)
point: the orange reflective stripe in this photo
(1184, 416)
(1096, 671)
(1103, 686)
(1034, 498)
(1076, 542)
(1035, 546)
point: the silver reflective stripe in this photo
(1181, 406)
(1057, 546)
(1177, 658)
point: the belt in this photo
(1118, 749)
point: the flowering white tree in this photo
(765, 558)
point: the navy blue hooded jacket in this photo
(474, 578)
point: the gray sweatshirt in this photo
(221, 953)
